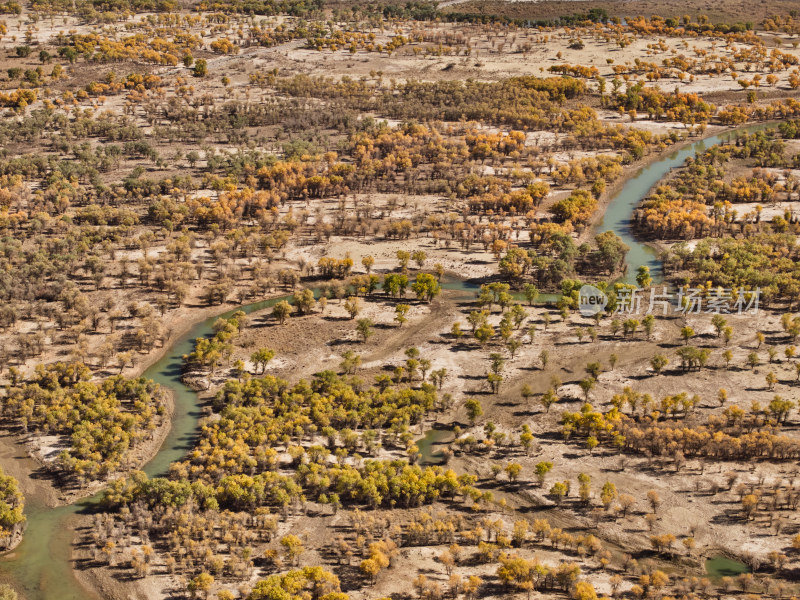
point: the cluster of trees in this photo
(114, 85)
(267, 35)
(685, 108)
(106, 217)
(735, 114)
(18, 99)
(597, 169)
(150, 48)
(209, 353)
(577, 208)
(516, 202)
(12, 505)
(527, 101)
(294, 8)
(197, 527)
(576, 71)
(555, 258)
(258, 415)
(68, 228)
(354, 41)
(684, 26)
(735, 435)
(103, 13)
(697, 201)
(297, 584)
(102, 422)
(527, 575)
(521, 102)
(766, 261)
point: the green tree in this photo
(643, 278)
(719, 323)
(544, 357)
(484, 333)
(608, 494)
(281, 310)
(426, 287)
(587, 385)
(494, 380)
(293, 546)
(364, 328)
(585, 487)
(474, 410)
(350, 362)
(201, 583)
(611, 250)
(658, 362)
(513, 471)
(548, 399)
(630, 326)
(542, 469)
(402, 258)
(531, 293)
(400, 313)
(526, 438)
(395, 284)
(200, 68)
(771, 379)
(368, 261)
(593, 369)
(438, 377)
(649, 322)
(353, 306)
(261, 358)
(305, 301)
(728, 356)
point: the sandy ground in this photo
(689, 500)
(494, 57)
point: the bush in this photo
(200, 68)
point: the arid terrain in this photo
(294, 291)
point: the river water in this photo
(40, 568)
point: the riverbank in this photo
(189, 316)
(22, 456)
(189, 327)
(632, 173)
(314, 342)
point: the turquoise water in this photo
(722, 566)
(41, 566)
(429, 451)
(617, 217)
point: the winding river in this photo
(40, 568)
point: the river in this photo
(40, 568)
